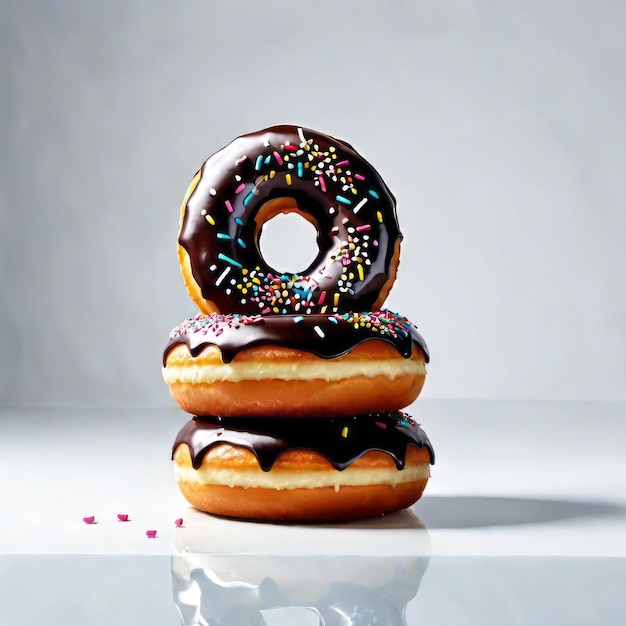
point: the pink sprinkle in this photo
(240, 188)
(179, 522)
(322, 296)
(241, 159)
(322, 183)
(265, 310)
(342, 163)
(278, 158)
(123, 517)
(89, 520)
(151, 534)
(359, 177)
(364, 227)
(375, 242)
(229, 206)
(381, 424)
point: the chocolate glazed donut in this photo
(287, 169)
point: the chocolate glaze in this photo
(327, 336)
(341, 440)
(347, 200)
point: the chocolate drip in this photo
(325, 336)
(341, 440)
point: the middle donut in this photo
(295, 365)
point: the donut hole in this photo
(288, 242)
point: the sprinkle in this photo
(151, 534)
(322, 183)
(343, 200)
(360, 270)
(223, 257)
(300, 169)
(213, 191)
(288, 146)
(359, 177)
(344, 432)
(278, 158)
(288, 178)
(272, 173)
(241, 242)
(299, 319)
(222, 276)
(342, 163)
(213, 267)
(238, 221)
(89, 520)
(259, 162)
(319, 331)
(123, 517)
(381, 424)
(301, 135)
(321, 299)
(374, 194)
(241, 159)
(266, 141)
(336, 299)
(267, 159)
(229, 206)
(247, 199)
(210, 220)
(363, 227)
(240, 188)
(360, 205)
(334, 320)
(222, 236)
(379, 216)
(179, 522)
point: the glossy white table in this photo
(524, 516)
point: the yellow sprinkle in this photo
(336, 299)
(356, 325)
(288, 178)
(379, 216)
(256, 281)
(244, 270)
(275, 309)
(344, 432)
(210, 220)
(331, 148)
(354, 191)
(323, 309)
(272, 174)
(351, 275)
(244, 290)
(360, 270)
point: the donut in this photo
(288, 169)
(305, 469)
(295, 366)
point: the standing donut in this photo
(288, 169)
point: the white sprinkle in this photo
(238, 178)
(222, 276)
(301, 135)
(213, 191)
(266, 142)
(213, 267)
(331, 211)
(359, 206)
(203, 212)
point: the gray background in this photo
(500, 128)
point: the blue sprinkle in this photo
(223, 257)
(298, 319)
(374, 194)
(343, 200)
(333, 320)
(300, 152)
(300, 169)
(267, 159)
(259, 160)
(241, 242)
(222, 236)
(290, 166)
(247, 199)
(238, 221)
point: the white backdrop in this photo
(499, 127)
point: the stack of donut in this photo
(296, 381)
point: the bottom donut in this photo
(316, 469)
